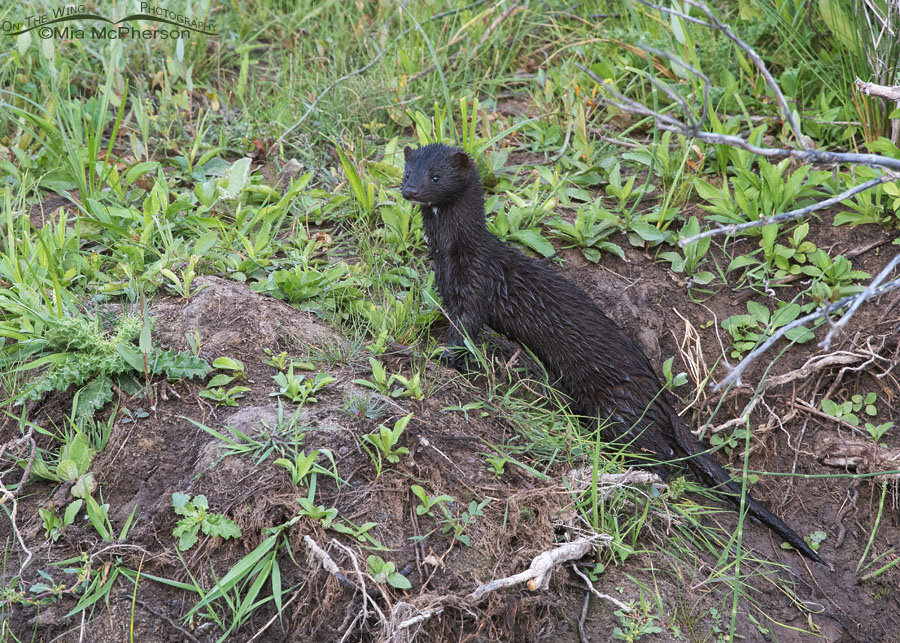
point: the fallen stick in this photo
(537, 576)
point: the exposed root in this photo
(537, 576)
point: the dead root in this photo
(862, 455)
(405, 619)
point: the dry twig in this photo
(537, 576)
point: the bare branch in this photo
(863, 296)
(881, 91)
(787, 216)
(735, 374)
(716, 24)
(538, 574)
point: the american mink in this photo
(484, 281)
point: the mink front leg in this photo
(465, 319)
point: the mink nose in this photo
(409, 193)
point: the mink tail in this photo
(715, 476)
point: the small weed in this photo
(382, 383)
(299, 389)
(181, 285)
(673, 381)
(385, 440)
(367, 407)
(635, 624)
(196, 518)
(458, 527)
(496, 464)
(848, 411)
(427, 502)
(300, 466)
(224, 397)
(317, 512)
(694, 254)
(385, 572)
(215, 389)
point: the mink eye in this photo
(435, 178)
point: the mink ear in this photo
(407, 152)
(460, 160)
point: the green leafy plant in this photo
(385, 441)
(427, 502)
(621, 192)
(589, 231)
(300, 466)
(196, 518)
(673, 381)
(299, 389)
(367, 407)
(317, 512)
(497, 464)
(225, 397)
(386, 572)
(53, 524)
(878, 431)
(409, 387)
(693, 255)
(747, 330)
(216, 387)
(848, 411)
(458, 526)
(181, 285)
(77, 352)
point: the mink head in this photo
(437, 174)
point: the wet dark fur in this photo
(484, 281)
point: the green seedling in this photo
(215, 390)
(458, 527)
(408, 387)
(367, 407)
(320, 513)
(361, 533)
(301, 466)
(279, 361)
(233, 366)
(53, 524)
(834, 278)
(496, 464)
(622, 193)
(224, 397)
(282, 361)
(658, 158)
(427, 502)
(298, 388)
(636, 623)
(382, 383)
(72, 466)
(465, 408)
(181, 285)
(385, 441)
(196, 518)
(848, 411)
(877, 432)
(673, 381)
(694, 254)
(747, 330)
(386, 572)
